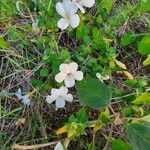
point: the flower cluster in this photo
(68, 73)
(68, 10)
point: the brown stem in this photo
(27, 147)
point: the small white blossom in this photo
(83, 3)
(68, 12)
(25, 99)
(102, 78)
(59, 146)
(59, 96)
(19, 94)
(68, 74)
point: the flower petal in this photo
(69, 7)
(106, 77)
(98, 75)
(73, 67)
(55, 92)
(80, 7)
(87, 3)
(64, 68)
(63, 91)
(18, 94)
(78, 75)
(26, 100)
(63, 23)
(60, 103)
(74, 21)
(50, 99)
(68, 97)
(60, 9)
(60, 77)
(69, 82)
(59, 146)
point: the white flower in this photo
(25, 99)
(68, 74)
(60, 96)
(68, 11)
(18, 94)
(102, 78)
(83, 3)
(59, 146)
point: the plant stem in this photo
(37, 146)
(109, 138)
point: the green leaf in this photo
(144, 6)
(15, 34)
(147, 61)
(146, 118)
(108, 5)
(93, 93)
(55, 65)
(37, 83)
(87, 39)
(3, 44)
(127, 112)
(98, 41)
(139, 135)
(120, 145)
(44, 72)
(91, 146)
(104, 117)
(127, 39)
(132, 83)
(46, 86)
(64, 54)
(99, 19)
(142, 99)
(96, 33)
(82, 31)
(13, 112)
(144, 45)
(82, 116)
(72, 119)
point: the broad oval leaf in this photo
(120, 145)
(93, 93)
(139, 135)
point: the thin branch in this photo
(27, 147)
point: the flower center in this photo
(67, 16)
(76, 1)
(69, 74)
(60, 97)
